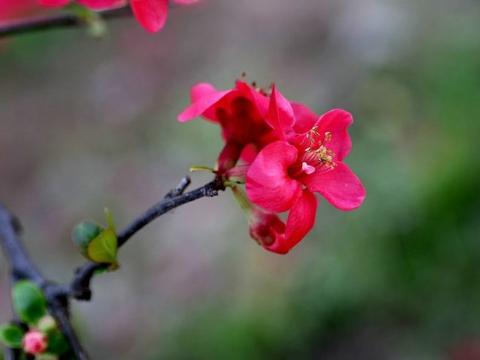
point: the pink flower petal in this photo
(305, 118)
(201, 90)
(340, 186)
(228, 156)
(259, 100)
(54, 2)
(204, 96)
(308, 169)
(336, 122)
(265, 227)
(151, 14)
(280, 114)
(268, 183)
(249, 153)
(299, 223)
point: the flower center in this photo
(316, 155)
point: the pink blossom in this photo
(151, 14)
(15, 9)
(241, 114)
(35, 342)
(307, 159)
(290, 154)
(274, 235)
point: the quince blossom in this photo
(151, 14)
(241, 114)
(286, 173)
(15, 9)
(292, 154)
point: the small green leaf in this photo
(110, 222)
(96, 25)
(28, 301)
(84, 233)
(11, 335)
(103, 249)
(46, 324)
(57, 344)
(202, 168)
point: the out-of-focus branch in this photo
(65, 20)
(58, 296)
(80, 286)
(22, 267)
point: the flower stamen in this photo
(317, 154)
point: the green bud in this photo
(84, 233)
(103, 249)
(46, 324)
(96, 243)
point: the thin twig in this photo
(65, 20)
(80, 286)
(58, 296)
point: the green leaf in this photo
(11, 335)
(28, 301)
(96, 26)
(109, 216)
(57, 344)
(84, 233)
(103, 249)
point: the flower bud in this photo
(265, 227)
(46, 324)
(84, 233)
(228, 157)
(35, 342)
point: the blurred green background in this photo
(88, 123)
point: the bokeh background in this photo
(87, 123)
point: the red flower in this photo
(274, 235)
(35, 342)
(15, 9)
(151, 14)
(292, 154)
(241, 114)
(308, 158)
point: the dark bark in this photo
(59, 296)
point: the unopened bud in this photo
(46, 323)
(84, 233)
(265, 227)
(35, 342)
(228, 157)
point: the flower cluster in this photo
(15, 9)
(284, 153)
(151, 14)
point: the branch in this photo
(80, 286)
(58, 296)
(21, 267)
(66, 20)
